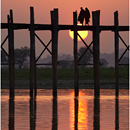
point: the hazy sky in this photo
(42, 8)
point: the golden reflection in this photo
(82, 113)
(83, 98)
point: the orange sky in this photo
(42, 15)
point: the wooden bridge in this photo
(54, 27)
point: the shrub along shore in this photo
(66, 78)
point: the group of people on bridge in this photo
(84, 14)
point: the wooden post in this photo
(54, 22)
(116, 71)
(116, 52)
(32, 55)
(76, 76)
(96, 58)
(11, 54)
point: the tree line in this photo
(64, 61)
(21, 55)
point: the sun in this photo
(83, 34)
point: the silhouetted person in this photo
(84, 14)
(87, 16)
(81, 15)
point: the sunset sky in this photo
(42, 8)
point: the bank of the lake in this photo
(66, 78)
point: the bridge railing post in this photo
(76, 75)
(54, 22)
(11, 54)
(96, 59)
(32, 55)
(116, 70)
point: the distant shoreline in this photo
(70, 86)
(66, 78)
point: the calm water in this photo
(46, 113)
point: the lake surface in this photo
(46, 113)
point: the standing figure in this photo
(81, 15)
(87, 16)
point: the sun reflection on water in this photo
(82, 113)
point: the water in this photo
(46, 113)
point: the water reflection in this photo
(66, 112)
(32, 113)
(96, 113)
(116, 113)
(54, 114)
(79, 112)
(11, 113)
(76, 113)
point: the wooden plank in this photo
(17, 26)
(43, 27)
(123, 28)
(112, 28)
(32, 55)
(71, 27)
(43, 64)
(11, 54)
(21, 26)
(54, 22)
(116, 70)
(76, 73)
(39, 27)
(86, 64)
(4, 25)
(96, 62)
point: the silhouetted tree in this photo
(103, 62)
(66, 63)
(63, 63)
(87, 58)
(21, 56)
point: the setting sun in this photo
(83, 34)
